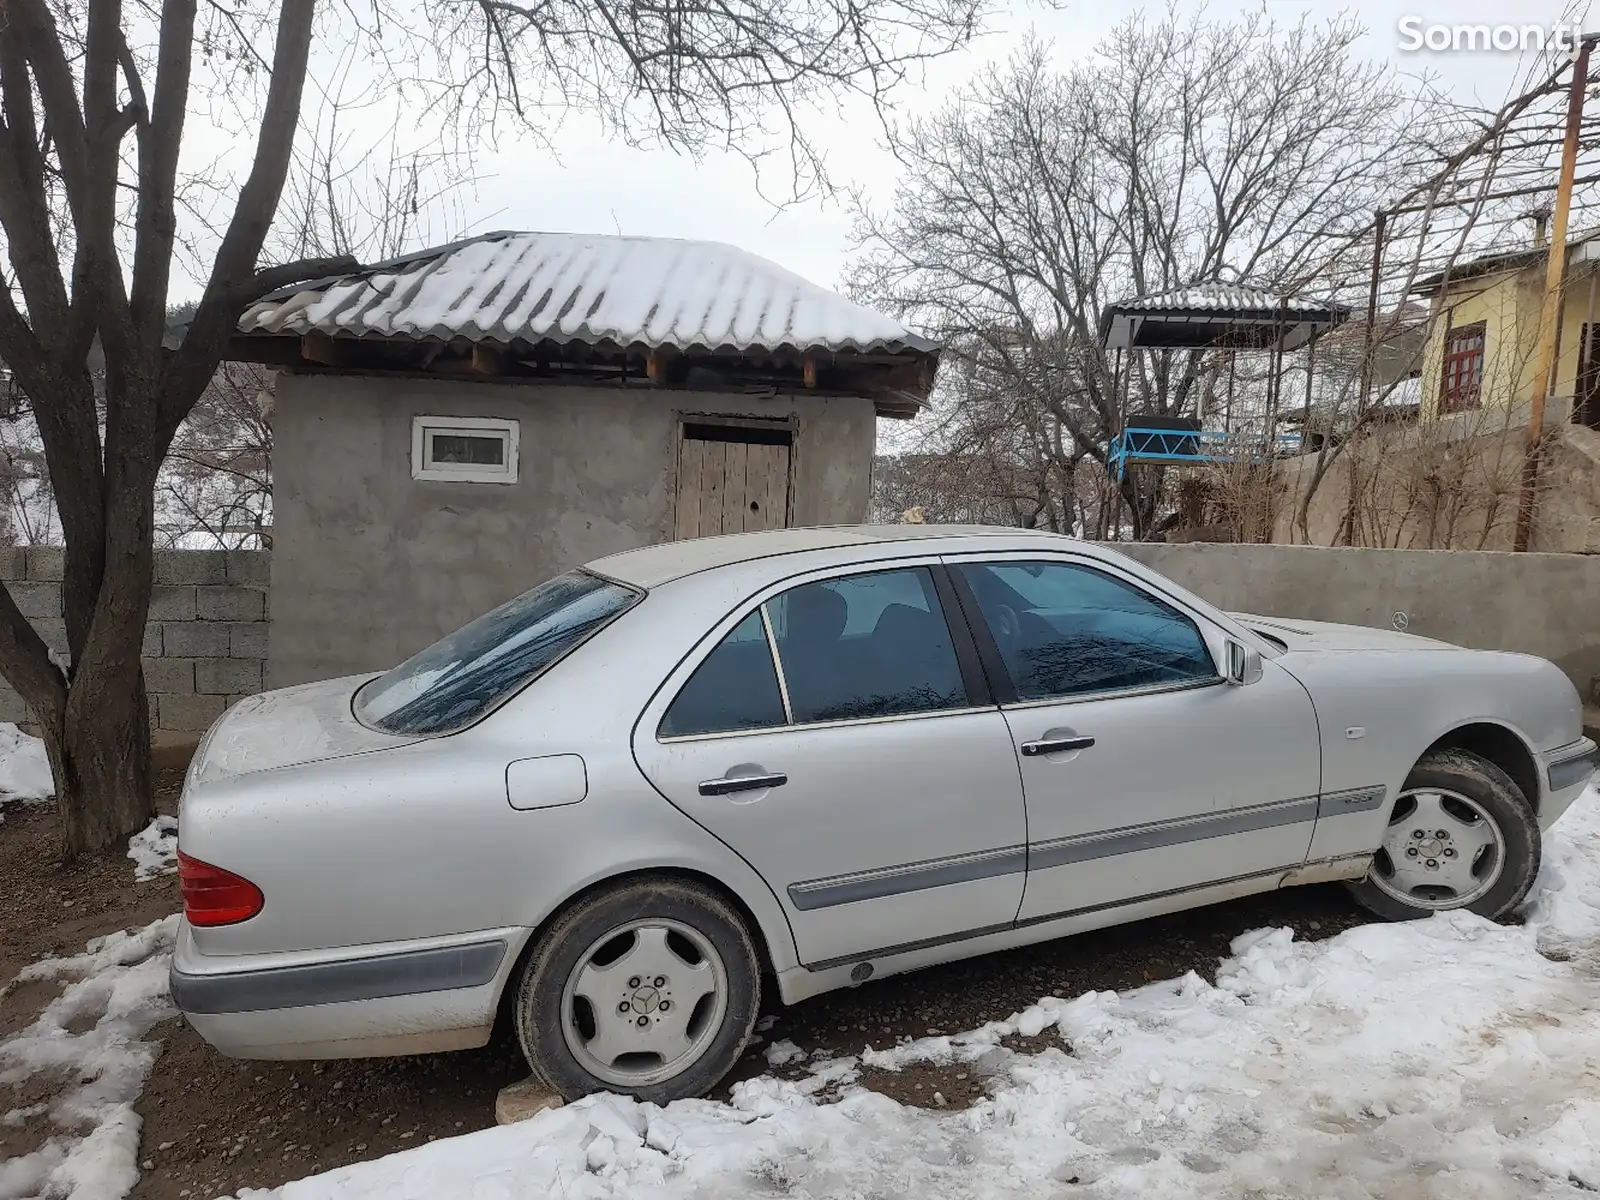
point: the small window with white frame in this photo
(464, 449)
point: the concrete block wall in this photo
(205, 644)
(1490, 600)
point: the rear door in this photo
(1145, 773)
(840, 738)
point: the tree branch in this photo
(160, 141)
(189, 370)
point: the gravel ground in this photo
(214, 1125)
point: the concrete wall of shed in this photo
(371, 565)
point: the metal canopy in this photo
(1220, 316)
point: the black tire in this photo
(1480, 780)
(538, 1016)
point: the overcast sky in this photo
(592, 186)
(604, 189)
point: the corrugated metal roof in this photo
(1216, 314)
(511, 288)
(1222, 297)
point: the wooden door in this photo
(732, 478)
(1587, 402)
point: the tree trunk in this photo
(101, 736)
(100, 755)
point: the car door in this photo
(839, 738)
(1145, 772)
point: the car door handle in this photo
(1055, 745)
(729, 784)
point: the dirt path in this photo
(214, 1125)
(236, 1124)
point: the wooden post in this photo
(1369, 350)
(321, 349)
(1580, 404)
(1227, 410)
(489, 360)
(1305, 420)
(1549, 313)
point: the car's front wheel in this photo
(1460, 835)
(648, 989)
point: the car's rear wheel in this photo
(1460, 835)
(647, 989)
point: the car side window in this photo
(1066, 630)
(870, 645)
(736, 687)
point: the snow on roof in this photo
(1227, 297)
(1213, 314)
(511, 287)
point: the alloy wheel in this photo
(644, 1002)
(1442, 850)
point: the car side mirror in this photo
(1244, 664)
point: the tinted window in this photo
(1066, 630)
(736, 687)
(455, 681)
(872, 645)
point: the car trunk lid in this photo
(285, 728)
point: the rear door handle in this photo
(1055, 745)
(729, 784)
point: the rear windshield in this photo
(455, 681)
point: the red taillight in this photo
(212, 896)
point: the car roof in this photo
(650, 566)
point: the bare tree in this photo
(27, 504)
(94, 96)
(1185, 151)
(987, 454)
(217, 481)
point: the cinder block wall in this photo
(1490, 600)
(205, 645)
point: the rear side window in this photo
(1067, 630)
(736, 687)
(872, 645)
(869, 645)
(458, 679)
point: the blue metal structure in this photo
(1138, 444)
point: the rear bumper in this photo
(1567, 772)
(372, 1000)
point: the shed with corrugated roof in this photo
(456, 425)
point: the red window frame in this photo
(1461, 381)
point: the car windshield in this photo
(456, 680)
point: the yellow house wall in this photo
(1509, 307)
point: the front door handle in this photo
(729, 784)
(1055, 745)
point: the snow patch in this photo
(154, 849)
(24, 767)
(1445, 1059)
(120, 982)
(781, 1054)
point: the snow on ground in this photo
(24, 769)
(154, 849)
(89, 1037)
(1447, 1059)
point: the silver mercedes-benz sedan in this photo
(617, 806)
